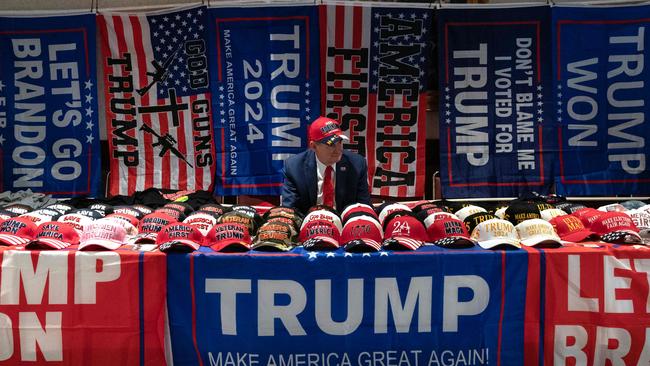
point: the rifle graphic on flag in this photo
(166, 142)
(161, 72)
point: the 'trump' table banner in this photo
(596, 306)
(429, 307)
(375, 82)
(82, 308)
(602, 93)
(265, 80)
(49, 139)
(158, 109)
(496, 121)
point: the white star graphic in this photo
(89, 112)
(540, 120)
(366, 255)
(539, 95)
(539, 87)
(89, 98)
(313, 255)
(539, 104)
(539, 111)
(559, 95)
(89, 125)
(306, 85)
(221, 88)
(330, 255)
(89, 139)
(383, 253)
(2, 140)
(347, 254)
(559, 86)
(221, 96)
(88, 84)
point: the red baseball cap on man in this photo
(326, 131)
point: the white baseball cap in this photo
(550, 213)
(495, 233)
(538, 232)
(468, 210)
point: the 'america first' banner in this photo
(375, 82)
(82, 308)
(158, 105)
(49, 139)
(601, 81)
(496, 126)
(265, 80)
(596, 306)
(441, 308)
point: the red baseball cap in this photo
(570, 228)
(151, 225)
(228, 237)
(362, 234)
(588, 215)
(54, 235)
(326, 131)
(404, 232)
(358, 209)
(320, 235)
(449, 232)
(616, 227)
(179, 237)
(17, 231)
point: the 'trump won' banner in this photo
(265, 84)
(375, 82)
(49, 140)
(495, 102)
(158, 108)
(602, 84)
(297, 309)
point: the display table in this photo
(429, 307)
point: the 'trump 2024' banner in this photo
(601, 81)
(297, 308)
(265, 83)
(375, 82)
(63, 307)
(49, 140)
(596, 307)
(496, 135)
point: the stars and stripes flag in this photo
(374, 82)
(157, 100)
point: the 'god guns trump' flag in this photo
(375, 82)
(49, 139)
(158, 109)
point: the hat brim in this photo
(180, 245)
(231, 246)
(362, 246)
(321, 243)
(455, 242)
(269, 246)
(622, 237)
(542, 240)
(333, 139)
(47, 243)
(492, 243)
(11, 240)
(144, 238)
(99, 244)
(579, 236)
(402, 243)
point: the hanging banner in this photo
(265, 81)
(596, 306)
(602, 100)
(496, 126)
(440, 308)
(49, 138)
(64, 307)
(375, 82)
(158, 107)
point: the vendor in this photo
(326, 173)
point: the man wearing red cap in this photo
(325, 173)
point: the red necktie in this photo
(328, 188)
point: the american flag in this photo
(361, 57)
(160, 128)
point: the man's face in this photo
(327, 154)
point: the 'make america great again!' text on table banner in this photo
(49, 137)
(495, 102)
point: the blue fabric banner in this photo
(49, 139)
(265, 90)
(496, 112)
(430, 307)
(602, 88)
